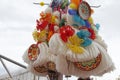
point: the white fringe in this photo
(58, 47)
(25, 58)
(100, 41)
(43, 55)
(90, 52)
(31, 69)
(62, 65)
(105, 66)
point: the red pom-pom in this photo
(92, 36)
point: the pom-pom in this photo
(94, 28)
(92, 32)
(72, 12)
(56, 13)
(87, 24)
(42, 3)
(76, 18)
(84, 34)
(48, 10)
(73, 6)
(56, 28)
(76, 2)
(90, 20)
(97, 26)
(86, 42)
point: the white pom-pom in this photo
(57, 21)
(56, 28)
(64, 16)
(48, 10)
(57, 13)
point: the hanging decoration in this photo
(67, 42)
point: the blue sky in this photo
(18, 20)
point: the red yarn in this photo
(66, 32)
(92, 36)
(41, 25)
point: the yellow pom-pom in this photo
(42, 3)
(73, 6)
(90, 20)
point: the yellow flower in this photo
(39, 36)
(53, 19)
(74, 44)
(75, 40)
(75, 49)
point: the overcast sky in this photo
(18, 20)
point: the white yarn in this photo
(43, 55)
(58, 47)
(48, 10)
(31, 69)
(25, 58)
(100, 41)
(62, 65)
(89, 53)
(105, 66)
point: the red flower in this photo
(41, 25)
(66, 32)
